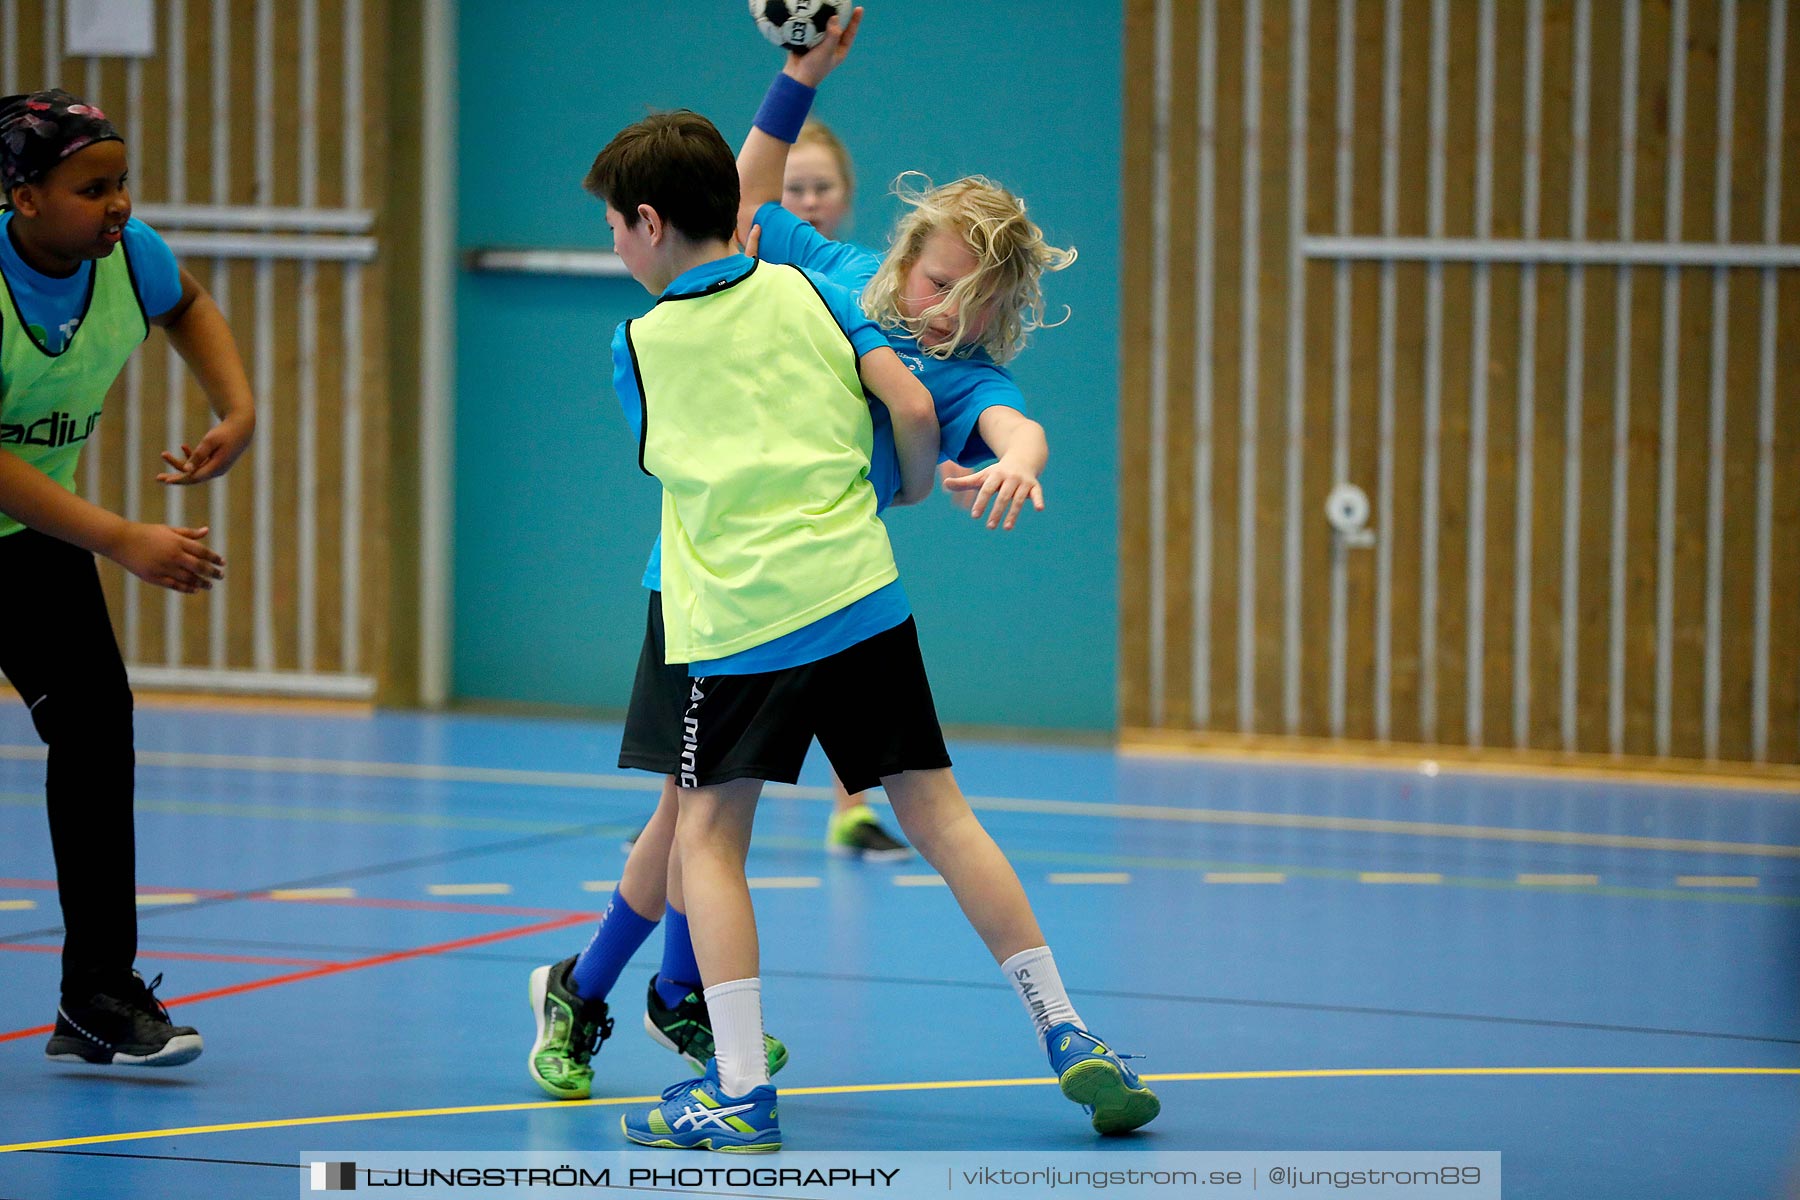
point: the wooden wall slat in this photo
(1227, 375)
(1502, 376)
(1271, 371)
(1594, 602)
(1403, 524)
(1737, 617)
(1456, 363)
(1365, 307)
(1784, 616)
(1134, 377)
(1184, 132)
(1317, 476)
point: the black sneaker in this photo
(687, 1030)
(129, 1027)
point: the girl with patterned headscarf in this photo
(84, 283)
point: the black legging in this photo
(57, 648)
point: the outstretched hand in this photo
(813, 65)
(1006, 485)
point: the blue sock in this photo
(680, 974)
(620, 933)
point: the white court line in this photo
(1399, 877)
(470, 889)
(1717, 881)
(919, 881)
(599, 885)
(1068, 808)
(777, 882)
(1560, 880)
(1244, 877)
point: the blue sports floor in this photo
(1599, 979)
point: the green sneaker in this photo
(857, 833)
(687, 1030)
(570, 1031)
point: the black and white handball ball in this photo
(794, 24)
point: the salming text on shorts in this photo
(870, 707)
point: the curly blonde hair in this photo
(1011, 257)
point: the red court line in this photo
(354, 965)
(187, 956)
(453, 906)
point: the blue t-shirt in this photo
(51, 307)
(962, 387)
(875, 613)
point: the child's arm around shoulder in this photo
(884, 376)
(914, 417)
(197, 330)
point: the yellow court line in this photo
(470, 889)
(1719, 881)
(1560, 880)
(1400, 877)
(17, 905)
(149, 899)
(1244, 877)
(873, 1088)
(318, 893)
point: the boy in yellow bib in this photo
(779, 592)
(749, 387)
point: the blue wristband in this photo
(784, 108)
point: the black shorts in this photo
(870, 707)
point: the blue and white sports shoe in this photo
(1096, 1078)
(696, 1115)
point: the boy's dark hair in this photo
(678, 164)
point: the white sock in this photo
(737, 1023)
(1033, 975)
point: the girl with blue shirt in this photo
(84, 281)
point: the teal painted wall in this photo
(553, 519)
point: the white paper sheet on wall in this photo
(110, 28)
